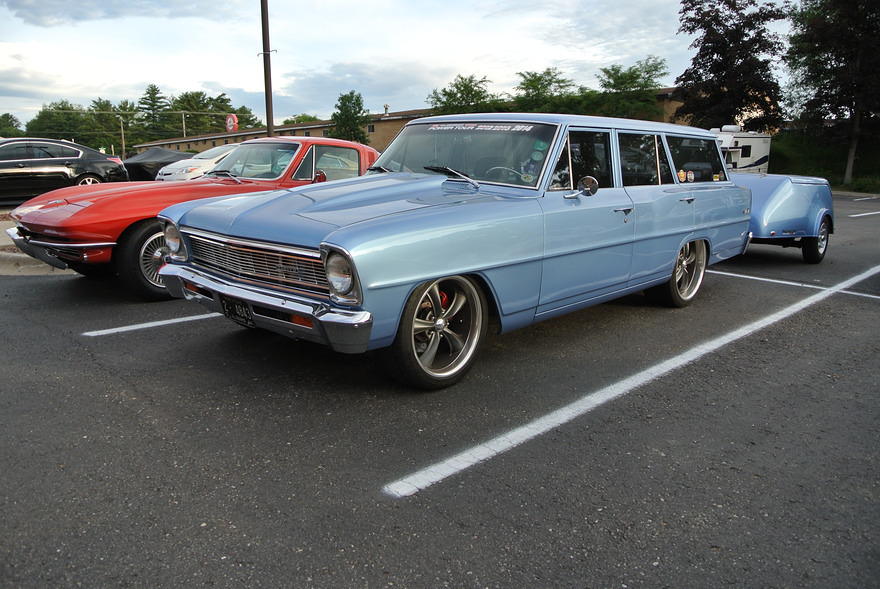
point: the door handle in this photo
(624, 210)
(687, 199)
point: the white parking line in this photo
(149, 325)
(790, 283)
(415, 482)
(867, 198)
(864, 214)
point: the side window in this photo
(52, 150)
(337, 162)
(305, 169)
(643, 160)
(16, 151)
(696, 160)
(588, 153)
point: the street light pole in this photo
(267, 68)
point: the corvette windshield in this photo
(499, 152)
(258, 160)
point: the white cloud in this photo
(391, 51)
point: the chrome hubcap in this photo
(89, 180)
(152, 258)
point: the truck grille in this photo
(261, 262)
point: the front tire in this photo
(443, 323)
(139, 256)
(813, 248)
(687, 276)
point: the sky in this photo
(393, 52)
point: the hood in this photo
(303, 216)
(120, 199)
(189, 163)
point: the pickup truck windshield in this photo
(495, 152)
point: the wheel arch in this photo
(131, 228)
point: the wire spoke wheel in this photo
(151, 258)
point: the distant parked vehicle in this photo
(99, 230)
(744, 151)
(197, 165)
(30, 166)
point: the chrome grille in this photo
(259, 262)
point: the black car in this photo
(29, 167)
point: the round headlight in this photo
(172, 238)
(339, 274)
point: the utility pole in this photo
(122, 132)
(267, 68)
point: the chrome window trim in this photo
(251, 243)
(542, 175)
(42, 159)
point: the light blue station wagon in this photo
(466, 221)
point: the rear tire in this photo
(139, 256)
(813, 248)
(687, 276)
(88, 179)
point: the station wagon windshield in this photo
(257, 160)
(498, 152)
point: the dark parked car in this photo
(29, 167)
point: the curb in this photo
(13, 264)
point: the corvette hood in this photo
(304, 216)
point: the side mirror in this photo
(588, 186)
(320, 176)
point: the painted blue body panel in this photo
(785, 207)
(537, 253)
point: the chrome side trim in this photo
(57, 245)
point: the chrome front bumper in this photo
(34, 251)
(342, 330)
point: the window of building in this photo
(696, 159)
(326, 133)
(307, 133)
(371, 128)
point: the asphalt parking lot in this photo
(731, 443)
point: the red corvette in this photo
(111, 229)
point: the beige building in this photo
(380, 132)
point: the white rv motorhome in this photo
(744, 151)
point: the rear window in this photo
(696, 160)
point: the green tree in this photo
(154, 122)
(541, 91)
(127, 112)
(350, 118)
(731, 78)
(302, 118)
(60, 120)
(10, 126)
(834, 56)
(631, 92)
(192, 109)
(464, 94)
(104, 125)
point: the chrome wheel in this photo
(446, 326)
(88, 180)
(690, 267)
(151, 258)
(813, 248)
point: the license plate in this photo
(238, 311)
